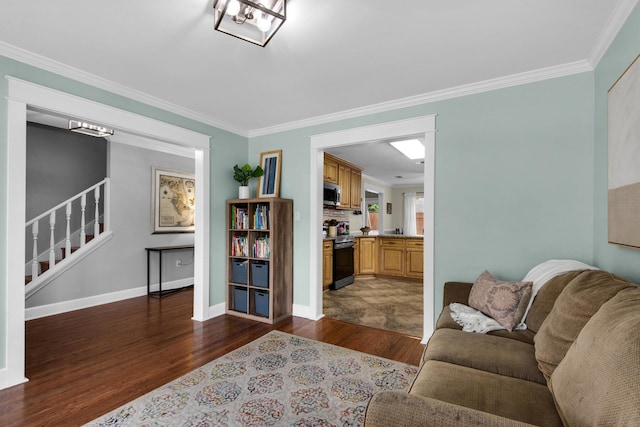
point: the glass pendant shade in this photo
(250, 21)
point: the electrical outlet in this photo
(178, 263)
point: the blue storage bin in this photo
(262, 303)
(239, 271)
(240, 299)
(260, 274)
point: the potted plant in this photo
(243, 175)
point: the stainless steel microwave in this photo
(331, 195)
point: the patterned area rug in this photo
(278, 379)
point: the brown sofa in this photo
(577, 364)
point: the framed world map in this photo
(173, 207)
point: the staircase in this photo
(66, 247)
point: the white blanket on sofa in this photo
(473, 320)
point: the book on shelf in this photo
(261, 217)
(239, 218)
(261, 248)
(239, 246)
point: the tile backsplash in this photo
(337, 214)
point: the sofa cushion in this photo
(597, 382)
(504, 301)
(488, 353)
(546, 297)
(575, 305)
(445, 321)
(508, 397)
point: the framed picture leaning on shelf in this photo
(269, 182)
(173, 201)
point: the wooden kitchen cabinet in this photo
(348, 176)
(330, 169)
(392, 255)
(356, 189)
(327, 264)
(344, 181)
(367, 255)
(401, 257)
(414, 258)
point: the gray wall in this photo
(60, 164)
(121, 263)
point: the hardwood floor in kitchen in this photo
(88, 362)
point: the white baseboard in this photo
(5, 382)
(77, 304)
(174, 284)
(300, 310)
(217, 310)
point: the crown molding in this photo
(64, 70)
(440, 95)
(614, 24)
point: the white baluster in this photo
(67, 246)
(52, 242)
(83, 208)
(96, 223)
(34, 263)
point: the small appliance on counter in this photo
(343, 228)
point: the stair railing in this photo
(100, 188)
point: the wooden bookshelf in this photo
(260, 258)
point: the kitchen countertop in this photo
(391, 236)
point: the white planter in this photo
(243, 192)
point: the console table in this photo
(160, 250)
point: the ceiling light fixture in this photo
(253, 22)
(412, 148)
(89, 129)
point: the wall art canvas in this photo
(624, 158)
(173, 201)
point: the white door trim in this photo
(23, 94)
(425, 127)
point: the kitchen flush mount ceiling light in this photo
(248, 20)
(89, 129)
(412, 148)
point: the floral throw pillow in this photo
(504, 301)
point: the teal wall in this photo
(624, 49)
(514, 179)
(227, 149)
(520, 174)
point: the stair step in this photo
(44, 265)
(64, 251)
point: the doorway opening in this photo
(24, 95)
(421, 126)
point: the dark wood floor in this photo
(85, 363)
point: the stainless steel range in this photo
(342, 261)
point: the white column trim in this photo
(424, 127)
(22, 94)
